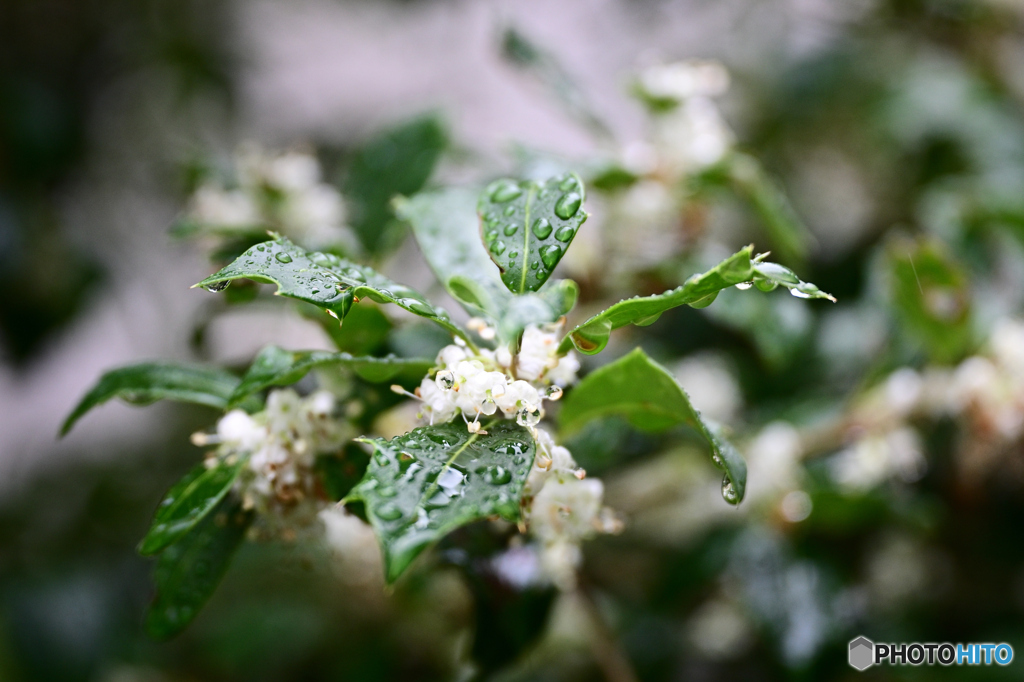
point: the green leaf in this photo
(423, 485)
(699, 291)
(188, 502)
(528, 225)
(398, 161)
(447, 230)
(278, 367)
(646, 394)
(931, 296)
(148, 382)
(188, 571)
(323, 279)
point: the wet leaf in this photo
(188, 502)
(448, 233)
(649, 397)
(699, 291)
(430, 481)
(278, 367)
(188, 571)
(148, 382)
(323, 279)
(527, 226)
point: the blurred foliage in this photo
(900, 144)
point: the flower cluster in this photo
(484, 383)
(282, 192)
(281, 444)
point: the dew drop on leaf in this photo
(498, 248)
(568, 205)
(541, 228)
(549, 255)
(510, 229)
(218, 286)
(568, 183)
(565, 233)
(389, 512)
(497, 475)
(505, 191)
(282, 257)
(729, 493)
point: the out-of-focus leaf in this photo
(430, 481)
(188, 502)
(639, 389)
(778, 325)
(340, 472)
(447, 230)
(398, 161)
(931, 296)
(278, 367)
(189, 571)
(148, 382)
(698, 292)
(323, 279)
(528, 225)
(554, 300)
(364, 332)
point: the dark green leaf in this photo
(448, 232)
(188, 571)
(423, 485)
(399, 161)
(645, 393)
(278, 367)
(323, 279)
(365, 330)
(188, 502)
(146, 383)
(528, 225)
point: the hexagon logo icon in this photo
(862, 653)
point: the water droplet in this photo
(729, 493)
(417, 306)
(553, 392)
(510, 210)
(510, 229)
(282, 257)
(528, 417)
(491, 236)
(451, 480)
(498, 248)
(497, 475)
(388, 491)
(743, 286)
(439, 439)
(513, 255)
(381, 458)
(505, 191)
(565, 233)
(445, 379)
(352, 273)
(568, 205)
(568, 183)
(550, 255)
(799, 294)
(717, 460)
(542, 228)
(534, 265)
(217, 286)
(389, 512)
(260, 247)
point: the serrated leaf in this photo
(323, 279)
(188, 502)
(188, 571)
(148, 382)
(447, 230)
(528, 225)
(423, 485)
(649, 397)
(278, 367)
(699, 291)
(397, 161)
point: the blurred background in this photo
(884, 433)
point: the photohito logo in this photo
(864, 653)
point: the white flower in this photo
(292, 171)
(564, 373)
(221, 208)
(240, 432)
(438, 406)
(450, 356)
(519, 396)
(682, 80)
(693, 137)
(566, 510)
(537, 353)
